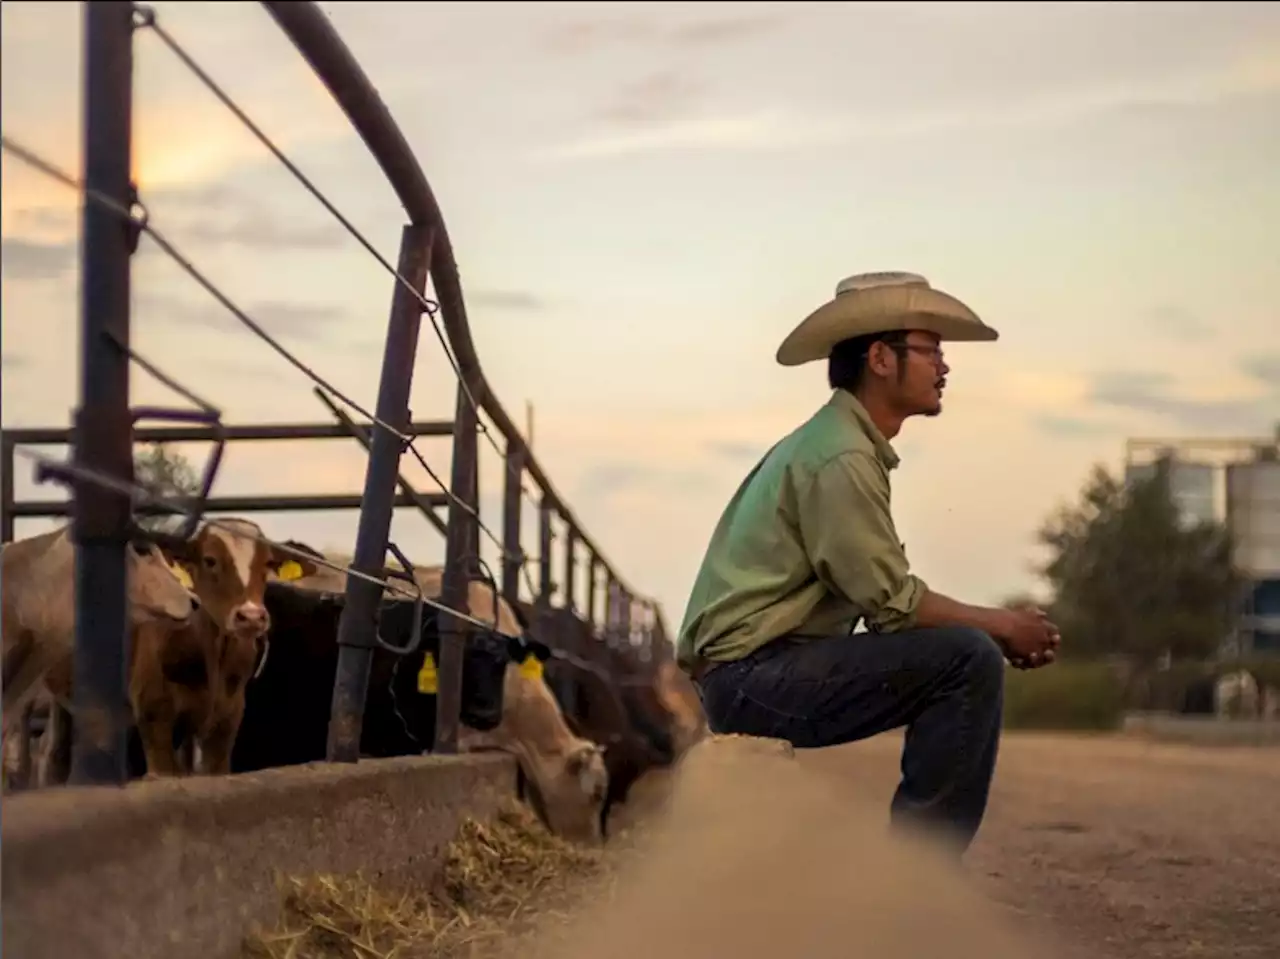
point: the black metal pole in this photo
(570, 568)
(359, 621)
(461, 551)
(593, 589)
(103, 430)
(6, 489)
(546, 537)
(511, 504)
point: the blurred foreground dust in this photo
(754, 856)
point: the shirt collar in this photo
(850, 406)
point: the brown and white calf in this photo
(37, 583)
(189, 684)
(187, 681)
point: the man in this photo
(807, 548)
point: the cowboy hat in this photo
(877, 303)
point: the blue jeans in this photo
(945, 685)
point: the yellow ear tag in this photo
(289, 570)
(531, 668)
(183, 576)
(428, 678)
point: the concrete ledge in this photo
(1203, 730)
(180, 869)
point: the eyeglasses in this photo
(929, 352)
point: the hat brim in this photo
(881, 310)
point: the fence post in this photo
(511, 503)
(570, 568)
(462, 550)
(546, 586)
(7, 496)
(593, 590)
(359, 621)
(610, 607)
(103, 430)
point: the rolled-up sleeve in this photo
(848, 533)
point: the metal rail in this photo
(105, 427)
(321, 46)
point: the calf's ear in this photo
(288, 566)
(179, 551)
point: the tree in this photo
(1131, 577)
(164, 472)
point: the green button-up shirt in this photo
(806, 546)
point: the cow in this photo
(190, 685)
(187, 681)
(645, 716)
(1236, 695)
(287, 713)
(680, 697)
(38, 576)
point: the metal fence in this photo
(100, 473)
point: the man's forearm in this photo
(938, 610)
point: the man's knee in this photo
(981, 655)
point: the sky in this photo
(645, 198)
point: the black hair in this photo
(848, 361)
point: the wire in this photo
(137, 216)
(145, 18)
(141, 495)
(144, 496)
(141, 223)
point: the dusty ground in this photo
(1123, 849)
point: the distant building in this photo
(1235, 482)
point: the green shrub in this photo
(1066, 695)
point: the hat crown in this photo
(870, 281)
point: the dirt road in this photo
(1123, 849)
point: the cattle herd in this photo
(233, 654)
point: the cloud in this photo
(206, 213)
(219, 213)
(1071, 427)
(657, 96)
(605, 480)
(1156, 394)
(1265, 368)
(785, 126)
(577, 37)
(280, 318)
(262, 231)
(519, 300)
(736, 452)
(749, 132)
(1178, 321)
(723, 30)
(23, 259)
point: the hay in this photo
(500, 881)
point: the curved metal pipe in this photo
(320, 45)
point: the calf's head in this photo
(571, 800)
(156, 594)
(228, 565)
